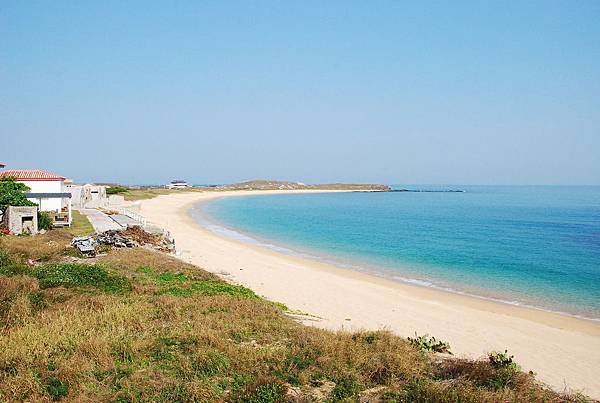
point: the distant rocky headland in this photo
(286, 185)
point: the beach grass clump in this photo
(139, 325)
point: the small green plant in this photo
(9, 266)
(56, 388)
(263, 391)
(428, 344)
(44, 221)
(345, 387)
(501, 360)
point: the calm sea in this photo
(528, 245)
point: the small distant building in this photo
(2, 165)
(178, 184)
(47, 190)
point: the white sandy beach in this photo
(562, 350)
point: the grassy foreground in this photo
(137, 325)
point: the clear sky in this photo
(218, 91)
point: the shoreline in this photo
(247, 239)
(563, 350)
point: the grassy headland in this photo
(138, 325)
(286, 185)
(152, 192)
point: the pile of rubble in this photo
(116, 238)
(131, 237)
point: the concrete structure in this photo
(178, 184)
(92, 196)
(46, 190)
(88, 195)
(21, 219)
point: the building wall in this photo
(46, 187)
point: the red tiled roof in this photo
(31, 175)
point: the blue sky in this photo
(221, 91)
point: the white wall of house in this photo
(41, 186)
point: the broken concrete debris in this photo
(115, 238)
(85, 244)
(131, 237)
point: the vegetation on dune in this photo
(428, 344)
(137, 325)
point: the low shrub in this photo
(57, 389)
(428, 344)
(44, 221)
(501, 360)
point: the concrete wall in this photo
(21, 219)
(88, 196)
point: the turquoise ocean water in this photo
(528, 245)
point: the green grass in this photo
(67, 275)
(181, 285)
(79, 275)
(81, 225)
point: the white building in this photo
(46, 190)
(178, 184)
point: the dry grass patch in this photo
(50, 246)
